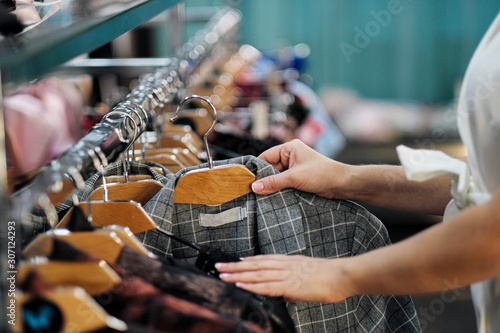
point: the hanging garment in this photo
(478, 116)
(41, 121)
(286, 222)
(140, 304)
(213, 298)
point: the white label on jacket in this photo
(225, 217)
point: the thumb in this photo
(271, 184)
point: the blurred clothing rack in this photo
(166, 85)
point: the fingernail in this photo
(219, 265)
(240, 285)
(224, 276)
(242, 258)
(257, 187)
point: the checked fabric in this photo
(286, 222)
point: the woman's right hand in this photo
(304, 169)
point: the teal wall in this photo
(416, 52)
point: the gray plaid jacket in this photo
(287, 222)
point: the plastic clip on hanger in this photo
(212, 185)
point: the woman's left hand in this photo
(295, 277)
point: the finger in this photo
(277, 257)
(272, 155)
(274, 288)
(247, 266)
(254, 277)
(271, 184)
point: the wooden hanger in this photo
(59, 197)
(80, 312)
(120, 179)
(105, 243)
(138, 191)
(127, 237)
(128, 214)
(121, 193)
(167, 140)
(168, 127)
(185, 156)
(212, 185)
(169, 161)
(94, 277)
(109, 212)
(106, 213)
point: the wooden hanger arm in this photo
(94, 277)
(122, 213)
(80, 312)
(41, 246)
(125, 213)
(127, 237)
(106, 245)
(169, 161)
(138, 191)
(120, 179)
(214, 186)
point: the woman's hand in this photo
(295, 277)
(304, 169)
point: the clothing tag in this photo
(228, 216)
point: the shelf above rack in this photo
(80, 26)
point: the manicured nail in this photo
(257, 187)
(224, 276)
(242, 258)
(240, 285)
(220, 265)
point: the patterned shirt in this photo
(286, 222)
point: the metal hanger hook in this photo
(100, 164)
(127, 115)
(125, 160)
(205, 137)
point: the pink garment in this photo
(41, 121)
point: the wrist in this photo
(350, 182)
(343, 283)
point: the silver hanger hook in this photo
(49, 209)
(136, 127)
(100, 164)
(205, 137)
(143, 124)
(133, 107)
(78, 182)
(126, 150)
